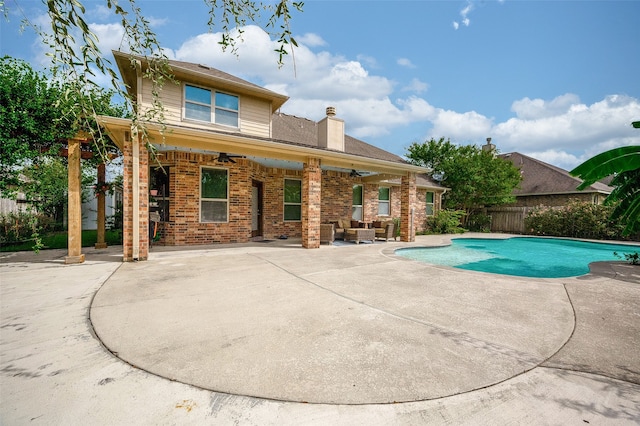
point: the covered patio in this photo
(250, 162)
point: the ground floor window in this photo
(430, 203)
(292, 200)
(214, 195)
(384, 206)
(356, 208)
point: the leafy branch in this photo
(77, 58)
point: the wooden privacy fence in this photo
(508, 219)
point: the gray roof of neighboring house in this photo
(543, 178)
(423, 181)
(292, 129)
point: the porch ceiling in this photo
(269, 150)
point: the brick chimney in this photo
(331, 131)
(489, 146)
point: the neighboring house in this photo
(542, 185)
(232, 168)
(90, 207)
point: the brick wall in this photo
(408, 198)
(184, 227)
(127, 202)
(311, 203)
(337, 196)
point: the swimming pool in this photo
(521, 256)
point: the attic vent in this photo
(331, 111)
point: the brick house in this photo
(232, 168)
(542, 185)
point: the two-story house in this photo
(230, 167)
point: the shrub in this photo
(576, 220)
(445, 222)
(479, 222)
(22, 226)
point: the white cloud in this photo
(311, 40)
(416, 86)
(527, 109)
(561, 159)
(101, 12)
(571, 128)
(110, 37)
(368, 61)
(460, 127)
(464, 13)
(404, 62)
(157, 22)
(562, 131)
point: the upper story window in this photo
(213, 107)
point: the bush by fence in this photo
(445, 222)
(21, 226)
(576, 220)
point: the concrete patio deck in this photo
(270, 333)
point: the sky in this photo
(556, 80)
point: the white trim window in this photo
(430, 201)
(213, 107)
(384, 201)
(292, 200)
(214, 195)
(356, 206)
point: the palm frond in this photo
(617, 160)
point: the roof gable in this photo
(292, 129)
(199, 74)
(539, 177)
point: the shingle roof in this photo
(292, 129)
(543, 178)
(212, 72)
(423, 180)
(287, 129)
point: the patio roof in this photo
(359, 155)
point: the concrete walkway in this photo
(270, 333)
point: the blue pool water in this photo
(521, 256)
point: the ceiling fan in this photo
(354, 173)
(223, 157)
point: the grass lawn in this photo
(59, 240)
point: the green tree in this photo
(624, 164)
(35, 121)
(29, 124)
(37, 115)
(45, 183)
(476, 178)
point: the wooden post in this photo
(100, 243)
(75, 204)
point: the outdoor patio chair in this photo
(386, 231)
